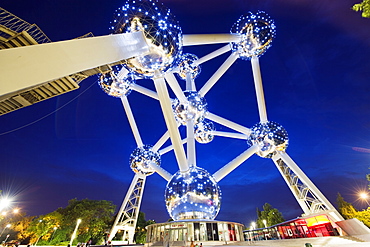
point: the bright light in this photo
(364, 195)
(16, 210)
(265, 223)
(5, 202)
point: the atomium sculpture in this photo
(192, 192)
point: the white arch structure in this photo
(68, 57)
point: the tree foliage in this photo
(348, 211)
(140, 231)
(271, 215)
(363, 7)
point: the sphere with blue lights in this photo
(270, 136)
(162, 33)
(113, 85)
(187, 65)
(256, 34)
(140, 159)
(195, 108)
(193, 195)
(203, 131)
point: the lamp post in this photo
(7, 226)
(364, 196)
(265, 223)
(75, 231)
(52, 235)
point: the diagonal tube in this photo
(166, 106)
(217, 75)
(213, 54)
(220, 174)
(228, 123)
(131, 120)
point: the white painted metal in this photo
(174, 84)
(29, 66)
(220, 174)
(217, 75)
(161, 141)
(190, 145)
(228, 123)
(306, 193)
(206, 39)
(131, 120)
(127, 215)
(162, 172)
(259, 89)
(170, 147)
(230, 134)
(144, 91)
(170, 120)
(214, 54)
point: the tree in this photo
(364, 6)
(20, 226)
(346, 209)
(95, 218)
(271, 215)
(140, 231)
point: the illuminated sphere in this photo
(270, 136)
(187, 65)
(193, 195)
(195, 108)
(257, 32)
(114, 86)
(140, 159)
(203, 131)
(162, 32)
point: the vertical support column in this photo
(259, 89)
(127, 215)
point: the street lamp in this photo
(364, 196)
(265, 223)
(7, 226)
(74, 232)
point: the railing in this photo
(18, 25)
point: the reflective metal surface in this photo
(194, 108)
(162, 32)
(114, 86)
(270, 136)
(187, 65)
(203, 131)
(193, 195)
(257, 32)
(140, 158)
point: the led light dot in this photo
(140, 159)
(114, 86)
(256, 32)
(187, 65)
(203, 131)
(195, 108)
(270, 136)
(193, 195)
(162, 32)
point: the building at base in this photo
(181, 233)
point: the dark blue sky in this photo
(317, 85)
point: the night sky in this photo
(316, 81)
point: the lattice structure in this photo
(127, 215)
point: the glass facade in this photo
(182, 232)
(315, 226)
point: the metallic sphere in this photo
(195, 108)
(203, 131)
(113, 85)
(162, 32)
(140, 159)
(193, 195)
(257, 32)
(187, 65)
(270, 136)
